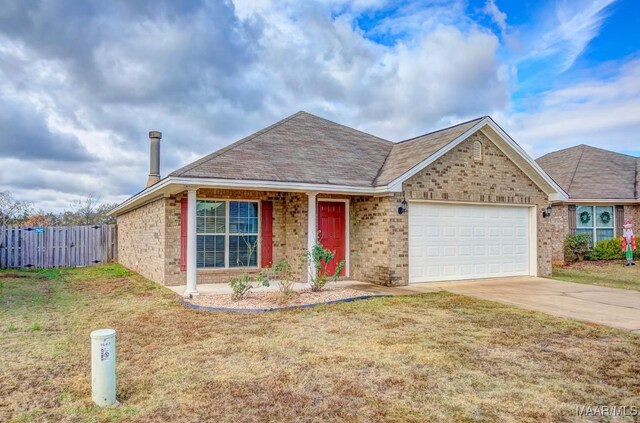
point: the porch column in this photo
(191, 244)
(312, 230)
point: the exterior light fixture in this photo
(403, 206)
(547, 212)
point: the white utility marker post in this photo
(192, 244)
(103, 367)
(312, 230)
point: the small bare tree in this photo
(11, 209)
(241, 285)
(87, 211)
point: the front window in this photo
(596, 222)
(227, 233)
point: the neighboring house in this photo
(602, 188)
(465, 202)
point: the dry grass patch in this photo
(611, 273)
(432, 357)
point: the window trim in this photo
(226, 234)
(594, 227)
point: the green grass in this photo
(431, 357)
(612, 273)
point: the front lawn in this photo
(611, 273)
(431, 357)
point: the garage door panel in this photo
(448, 242)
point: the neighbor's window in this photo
(227, 233)
(596, 222)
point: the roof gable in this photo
(302, 148)
(443, 141)
(586, 172)
(408, 154)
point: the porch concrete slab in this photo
(613, 307)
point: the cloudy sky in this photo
(82, 83)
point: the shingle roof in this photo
(407, 154)
(310, 149)
(586, 172)
(300, 148)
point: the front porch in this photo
(213, 231)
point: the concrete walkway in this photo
(619, 308)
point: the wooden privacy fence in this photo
(57, 246)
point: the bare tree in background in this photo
(11, 210)
(87, 211)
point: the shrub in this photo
(575, 247)
(320, 257)
(609, 249)
(241, 285)
(282, 271)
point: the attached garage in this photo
(470, 241)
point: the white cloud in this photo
(568, 31)
(207, 73)
(603, 113)
(498, 16)
(443, 73)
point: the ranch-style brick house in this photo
(603, 191)
(465, 202)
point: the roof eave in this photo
(173, 185)
(633, 201)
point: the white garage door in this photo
(449, 242)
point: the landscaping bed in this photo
(275, 300)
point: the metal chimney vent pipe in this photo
(154, 157)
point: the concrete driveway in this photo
(619, 308)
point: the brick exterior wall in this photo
(457, 177)
(295, 209)
(369, 239)
(560, 223)
(633, 213)
(141, 240)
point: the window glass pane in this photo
(604, 216)
(584, 217)
(243, 251)
(243, 217)
(588, 232)
(234, 211)
(199, 224)
(603, 234)
(201, 206)
(210, 251)
(210, 217)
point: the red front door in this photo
(332, 231)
